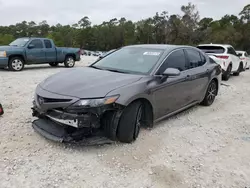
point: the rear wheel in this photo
(227, 74)
(240, 69)
(130, 123)
(16, 64)
(53, 64)
(210, 94)
(69, 62)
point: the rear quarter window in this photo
(212, 49)
(211, 60)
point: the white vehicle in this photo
(226, 57)
(245, 58)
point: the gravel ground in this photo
(202, 147)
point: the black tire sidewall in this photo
(53, 64)
(126, 127)
(205, 102)
(10, 64)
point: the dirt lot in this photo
(202, 147)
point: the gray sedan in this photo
(132, 87)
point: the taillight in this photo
(242, 58)
(222, 56)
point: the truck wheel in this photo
(16, 64)
(69, 62)
(130, 123)
(54, 64)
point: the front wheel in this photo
(130, 123)
(16, 64)
(210, 94)
(69, 62)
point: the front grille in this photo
(51, 100)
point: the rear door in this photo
(50, 51)
(36, 54)
(197, 73)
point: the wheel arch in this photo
(17, 55)
(70, 55)
(148, 110)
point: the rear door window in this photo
(47, 44)
(212, 49)
(194, 58)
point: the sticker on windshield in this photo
(152, 53)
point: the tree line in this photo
(185, 28)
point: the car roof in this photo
(166, 47)
(34, 38)
(219, 45)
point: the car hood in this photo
(87, 82)
(9, 48)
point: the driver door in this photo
(173, 93)
(35, 52)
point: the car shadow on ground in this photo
(97, 142)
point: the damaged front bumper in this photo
(63, 126)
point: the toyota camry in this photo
(115, 96)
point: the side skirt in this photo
(176, 112)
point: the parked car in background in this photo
(245, 58)
(106, 53)
(134, 86)
(1, 109)
(226, 57)
(27, 51)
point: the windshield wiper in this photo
(114, 70)
(96, 67)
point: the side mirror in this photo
(171, 72)
(30, 46)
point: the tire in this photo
(69, 62)
(240, 69)
(53, 64)
(108, 124)
(16, 64)
(227, 74)
(130, 123)
(210, 94)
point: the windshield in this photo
(240, 54)
(20, 42)
(212, 49)
(130, 60)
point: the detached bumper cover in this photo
(58, 133)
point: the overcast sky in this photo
(71, 11)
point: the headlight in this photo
(3, 54)
(94, 102)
